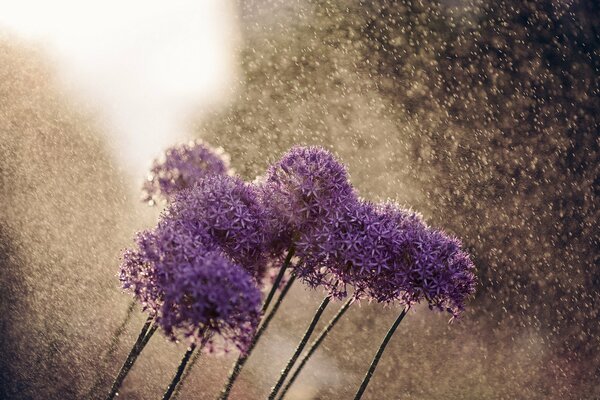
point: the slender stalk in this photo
(146, 333)
(179, 373)
(120, 329)
(313, 347)
(241, 361)
(286, 264)
(375, 361)
(186, 373)
(300, 347)
(112, 347)
(148, 337)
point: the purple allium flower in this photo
(193, 291)
(181, 167)
(439, 271)
(211, 295)
(387, 254)
(421, 263)
(301, 189)
(357, 242)
(230, 213)
(326, 249)
(158, 251)
(307, 183)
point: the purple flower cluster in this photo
(208, 252)
(300, 190)
(229, 212)
(214, 294)
(381, 251)
(181, 167)
(191, 289)
(159, 251)
(386, 254)
(420, 263)
(199, 270)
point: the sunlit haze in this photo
(359, 158)
(142, 67)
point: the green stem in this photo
(241, 361)
(300, 347)
(186, 373)
(179, 373)
(313, 347)
(148, 336)
(286, 263)
(119, 331)
(375, 361)
(112, 347)
(143, 338)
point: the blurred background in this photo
(484, 116)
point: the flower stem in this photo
(300, 347)
(286, 263)
(187, 371)
(241, 361)
(112, 347)
(313, 347)
(179, 373)
(119, 331)
(146, 333)
(375, 361)
(148, 337)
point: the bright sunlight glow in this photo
(144, 67)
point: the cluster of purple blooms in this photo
(387, 254)
(199, 272)
(229, 213)
(181, 167)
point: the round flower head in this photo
(158, 251)
(181, 167)
(329, 250)
(193, 291)
(441, 272)
(351, 246)
(210, 296)
(422, 264)
(306, 184)
(228, 210)
(387, 254)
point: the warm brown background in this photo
(484, 118)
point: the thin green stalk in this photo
(313, 347)
(241, 361)
(300, 347)
(179, 373)
(286, 264)
(119, 331)
(186, 373)
(375, 361)
(148, 336)
(145, 334)
(111, 348)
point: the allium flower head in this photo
(301, 190)
(181, 167)
(328, 251)
(229, 212)
(422, 264)
(352, 245)
(158, 251)
(208, 296)
(386, 254)
(441, 272)
(193, 293)
(305, 184)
